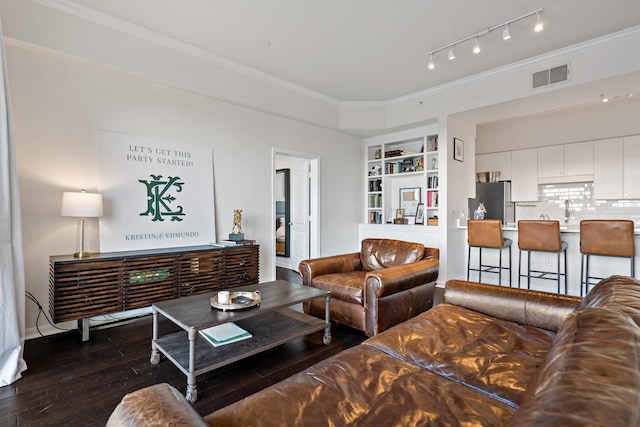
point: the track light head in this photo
(604, 98)
(476, 47)
(452, 53)
(431, 65)
(506, 33)
(539, 25)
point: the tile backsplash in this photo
(552, 201)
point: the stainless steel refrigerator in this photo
(496, 197)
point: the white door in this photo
(299, 225)
(304, 207)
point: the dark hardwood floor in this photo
(72, 383)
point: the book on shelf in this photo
(226, 333)
(375, 218)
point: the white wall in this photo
(459, 183)
(60, 101)
(599, 121)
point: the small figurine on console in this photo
(236, 231)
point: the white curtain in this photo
(11, 256)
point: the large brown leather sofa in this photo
(486, 356)
(387, 282)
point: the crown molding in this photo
(125, 27)
(578, 47)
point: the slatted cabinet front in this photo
(109, 283)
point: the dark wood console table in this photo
(119, 281)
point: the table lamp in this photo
(81, 205)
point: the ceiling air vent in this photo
(550, 76)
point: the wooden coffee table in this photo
(271, 323)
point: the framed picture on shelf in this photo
(458, 149)
(399, 213)
(420, 214)
(409, 200)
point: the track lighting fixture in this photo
(539, 25)
(476, 47)
(506, 35)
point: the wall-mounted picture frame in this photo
(409, 200)
(458, 149)
(399, 213)
(420, 214)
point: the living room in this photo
(74, 70)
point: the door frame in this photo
(314, 201)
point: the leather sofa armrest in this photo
(391, 280)
(332, 264)
(158, 405)
(540, 309)
(431, 253)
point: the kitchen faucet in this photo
(567, 211)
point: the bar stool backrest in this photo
(486, 233)
(610, 237)
(539, 235)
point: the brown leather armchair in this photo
(387, 282)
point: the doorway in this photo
(295, 208)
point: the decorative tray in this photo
(237, 301)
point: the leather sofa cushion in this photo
(365, 387)
(157, 405)
(377, 254)
(347, 286)
(590, 377)
(495, 356)
(619, 292)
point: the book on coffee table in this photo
(226, 333)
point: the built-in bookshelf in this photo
(402, 175)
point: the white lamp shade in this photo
(81, 205)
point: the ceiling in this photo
(370, 50)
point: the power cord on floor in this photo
(41, 311)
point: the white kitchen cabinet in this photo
(607, 168)
(524, 175)
(616, 173)
(631, 167)
(495, 162)
(565, 163)
(578, 159)
(482, 162)
(550, 161)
